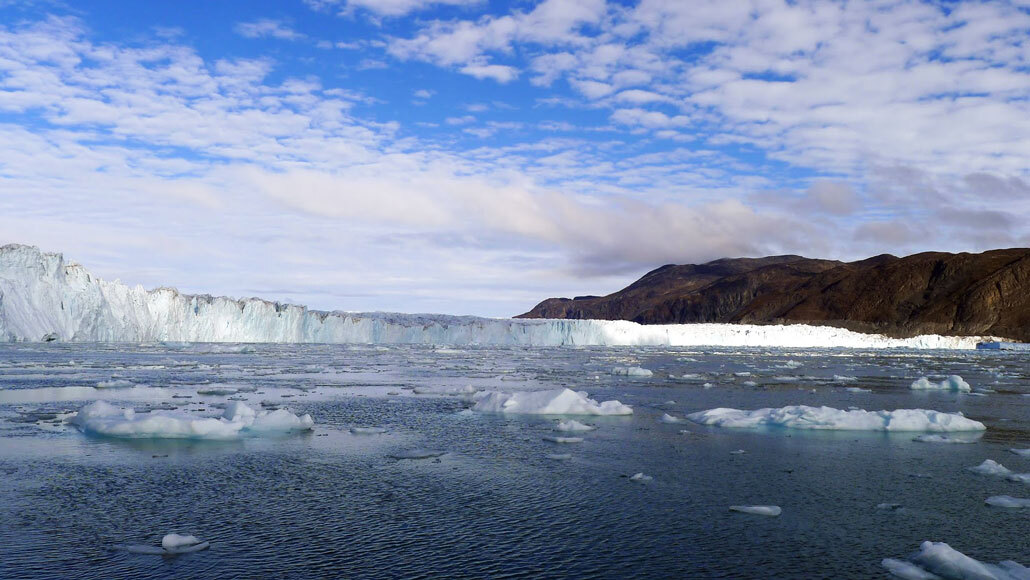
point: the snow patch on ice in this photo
(828, 418)
(553, 402)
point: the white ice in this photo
(172, 544)
(42, 294)
(115, 384)
(952, 383)
(367, 430)
(552, 402)
(172, 541)
(1007, 501)
(573, 426)
(559, 456)
(641, 478)
(238, 420)
(667, 418)
(758, 510)
(554, 439)
(1021, 452)
(937, 560)
(632, 372)
(946, 439)
(995, 469)
(805, 417)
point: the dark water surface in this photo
(332, 504)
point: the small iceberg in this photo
(172, 544)
(993, 468)
(828, 418)
(937, 561)
(1021, 452)
(946, 439)
(554, 439)
(553, 402)
(559, 456)
(368, 430)
(641, 478)
(632, 372)
(1007, 501)
(573, 426)
(667, 418)
(857, 390)
(758, 510)
(238, 420)
(952, 383)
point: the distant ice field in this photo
(425, 461)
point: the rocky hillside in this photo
(932, 292)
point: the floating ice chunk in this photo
(667, 418)
(805, 417)
(115, 384)
(573, 426)
(844, 378)
(172, 544)
(907, 570)
(991, 467)
(417, 454)
(632, 372)
(172, 541)
(367, 430)
(738, 452)
(554, 439)
(952, 383)
(939, 560)
(1021, 452)
(554, 402)
(758, 510)
(238, 420)
(857, 390)
(559, 456)
(888, 506)
(946, 439)
(641, 478)
(1007, 501)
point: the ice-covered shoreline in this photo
(44, 298)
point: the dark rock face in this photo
(932, 292)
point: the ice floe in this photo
(559, 456)
(758, 510)
(952, 383)
(1007, 501)
(573, 426)
(238, 420)
(552, 402)
(418, 453)
(554, 439)
(632, 372)
(828, 418)
(667, 418)
(368, 430)
(115, 384)
(939, 561)
(995, 469)
(1021, 452)
(946, 439)
(171, 545)
(641, 478)
(857, 390)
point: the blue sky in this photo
(474, 157)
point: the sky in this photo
(477, 156)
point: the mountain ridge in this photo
(930, 292)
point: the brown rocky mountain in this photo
(932, 292)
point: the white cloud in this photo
(267, 28)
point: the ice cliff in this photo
(44, 298)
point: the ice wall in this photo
(42, 297)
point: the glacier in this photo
(44, 298)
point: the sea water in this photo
(400, 479)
